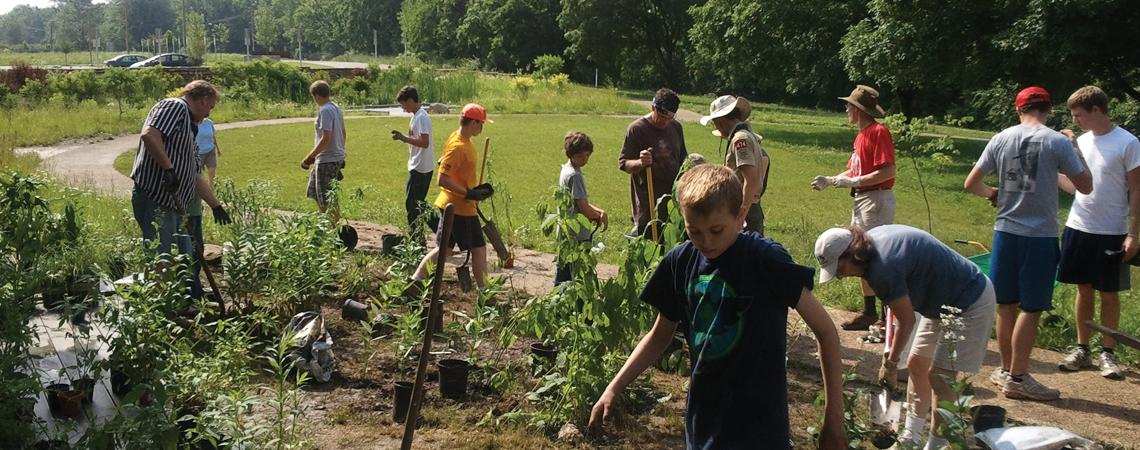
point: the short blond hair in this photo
(1088, 97)
(199, 89)
(709, 187)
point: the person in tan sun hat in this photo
(870, 175)
(743, 155)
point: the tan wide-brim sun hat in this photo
(866, 99)
(740, 103)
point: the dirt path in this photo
(1091, 405)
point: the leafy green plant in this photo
(957, 421)
(522, 86)
(547, 66)
(913, 139)
(854, 423)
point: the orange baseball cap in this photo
(475, 111)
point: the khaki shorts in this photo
(970, 350)
(210, 160)
(873, 208)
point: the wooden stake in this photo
(652, 205)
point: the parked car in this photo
(123, 60)
(164, 60)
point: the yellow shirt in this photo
(458, 163)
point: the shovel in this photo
(489, 228)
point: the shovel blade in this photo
(496, 240)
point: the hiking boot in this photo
(1108, 367)
(861, 323)
(1079, 358)
(999, 377)
(1029, 389)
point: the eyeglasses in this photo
(664, 113)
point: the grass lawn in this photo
(526, 154)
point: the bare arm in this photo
(447, 183)
(326, 140)
(1132, 242)
(1083, 182)
(883, 173)
(976, 184)
(647, 351)
(1065, 184)
(904, 313)
(751, 185)
(205, 192)
(421, 141)
(831, 365)
(152, 140)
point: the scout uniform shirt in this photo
(744, 150)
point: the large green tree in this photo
(772, 49)
(429, 27)
(632, 42)
(508, 34)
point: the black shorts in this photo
(465, 231)
(1084, 261)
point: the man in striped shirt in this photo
(167, 171)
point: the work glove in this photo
(820, 182)
(843, 182)
(170, 180)
(480, 192)
(221, 217)
(397, 136)
(889, 374)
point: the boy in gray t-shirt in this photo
(578, 148)
(1027, 158)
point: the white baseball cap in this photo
(830, 245)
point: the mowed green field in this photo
(526, 154)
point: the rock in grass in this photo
(569, 434)
(438, 108)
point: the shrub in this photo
(546, 66)
(20, 73)
(522, 86)
(560, 82)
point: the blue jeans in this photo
(191, 241)
(147, 214)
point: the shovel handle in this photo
(483, 169)
(652, 205)
(425, 350)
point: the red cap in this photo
(1033, 95)
(474, 111)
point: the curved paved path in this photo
(1092, 406)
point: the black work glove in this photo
(221, 217)
(397, 136)
(170, 180)
(480, 192)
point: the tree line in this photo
(954, 58)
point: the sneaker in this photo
(999, 377)
(1029, 389)
(1108, 367)
(1079, 358)
(860, 323)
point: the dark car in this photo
(164, 60)
(123, 60)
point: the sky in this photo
(7, 5)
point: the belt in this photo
(855, 191)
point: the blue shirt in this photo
(205, 137)
(734, 312)
(911, 262)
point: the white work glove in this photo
(820, 182)
(844, 182)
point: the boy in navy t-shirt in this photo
(730, 292)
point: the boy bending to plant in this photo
(731, 292)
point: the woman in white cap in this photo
(744, 155)
(911, 271)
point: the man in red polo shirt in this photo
(870, 175)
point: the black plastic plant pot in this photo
(120, 383)
(403, 400)
(987, 417)
(86, 386)
(354, 311)
(453, 378)
(53, 297)
(53, 392)
(884, 439)
(348, 237)
(389, 242)
(382, 325)
(71, 403)
(544, 350)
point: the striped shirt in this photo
(171, 117)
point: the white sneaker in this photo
(1029, 389)
(1108, 367)
(999, 377)
(1077, 359)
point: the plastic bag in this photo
(313, 352)
(1033, 438)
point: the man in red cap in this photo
(457, 183)
(1027, 158)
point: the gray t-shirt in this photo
(331, 118)
(571, 178)
(911, 262)
(1027, 159)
